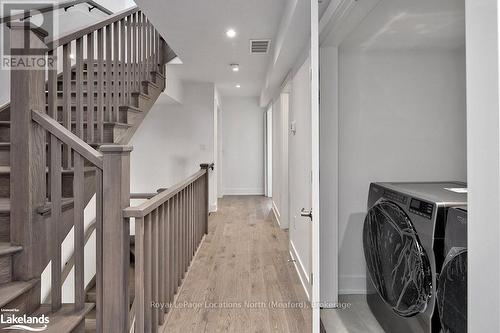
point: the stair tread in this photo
(131, 108)
(159, 74)
(151, 83)
(11, 290)
(65, 319)
(146, 96)
(8, 248)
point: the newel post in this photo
(207, 168)
(116, 238)
(27, 153)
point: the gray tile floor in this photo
(356, 319)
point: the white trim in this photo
(276, 213)
(212, 208)
(315, 236)
(483, 164)
(244, 191)
(303, 276)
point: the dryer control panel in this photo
(394, 196)
(421, 208)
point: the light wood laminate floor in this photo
(241, 266)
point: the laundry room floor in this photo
(356, 319)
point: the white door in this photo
(303, 182)
(304, 170)
(300, 168)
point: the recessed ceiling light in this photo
(235, 67)
(238, 86)
(231, 33)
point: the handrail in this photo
(159, 199)
(68, 138)
(64, 4)
(146, 195)
(80, 32)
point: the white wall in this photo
(328, 169)
(280, 159)
(402, 118)
(300, 173)
(243, 146)
(174, 139)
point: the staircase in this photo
(59, 142)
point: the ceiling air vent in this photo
(259, 46)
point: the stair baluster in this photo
(101, 96)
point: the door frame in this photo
(339, 19)
(268, 152)
(483, 164)
(315, 241)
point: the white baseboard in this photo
(244, 191)
(352, 284)
(299, 267)
(276, 214)
(212, 208)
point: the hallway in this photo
(240, 269)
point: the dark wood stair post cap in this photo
(207, 166)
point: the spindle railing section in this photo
(168, 230)
(58, 114)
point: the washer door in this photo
(397, 263)
(452, 292)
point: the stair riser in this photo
(75, 86)
(141, 102)
(105, 75)
(123, 115)
(4, 185)
(4, 227)
(5, 268)
(150, 89)
(4, 133)
(67, 183)
(5, 156)
(27, 302)
(110, 133)
(5, 115)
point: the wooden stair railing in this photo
(55, 122)
(168, 230)
(112, 166)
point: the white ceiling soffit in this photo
(196, 31)
(378, 25)
(290, 44)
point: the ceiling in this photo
(195, 30)
(411, 25)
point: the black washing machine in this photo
(452, 282)
(403, 243)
